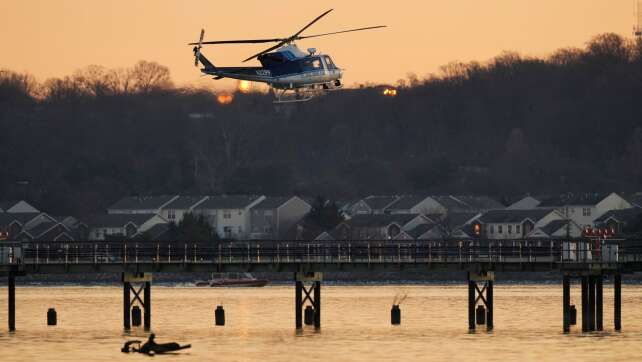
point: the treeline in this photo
(569, 122)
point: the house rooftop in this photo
(451, 203)
(379, 202)
(184, 202)
(513, 216)
(406, 202)
(272, 202)
(142, 202)
(573, 199)
(379, 220)
(421, 229)
(120, 220)
(554, 226)
(621, 215)
(22, 217)
(227, 202)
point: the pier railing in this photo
(280, 252)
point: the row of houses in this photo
(403, 217)
(21, 221)
(463, 217)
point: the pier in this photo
(588, 261)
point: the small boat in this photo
(151, 347)
(233, 280)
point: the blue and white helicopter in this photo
(293, 75)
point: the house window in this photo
(492, 229)
(499, 229)
(510, 229)
(171, 214)
(518, 228)
(227, 214)
(586, 211)
(240, 212)
(227, 230)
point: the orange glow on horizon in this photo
(244, 86)
(224, 98)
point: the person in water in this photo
(150, 345)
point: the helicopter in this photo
(292, 74)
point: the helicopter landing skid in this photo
(294, 95)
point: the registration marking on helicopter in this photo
(264, 72)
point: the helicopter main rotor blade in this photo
(339, 32)
(243, 41)
(287, 40)
(310, 24)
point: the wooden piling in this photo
(317, 304)
(591, 302)
(617, 302)
(566, 304)
(147, 300)
(11, 305)
(471, 304)
(298, 304)
(599, 325)
(489, 309)
(585, 312)
(126, 305)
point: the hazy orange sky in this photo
(52, 38)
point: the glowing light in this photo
(224, 98)
(390, 92)
(245, 86)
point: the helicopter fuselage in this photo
(282, 73)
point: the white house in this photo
(122, 225)
(178, 207)
(584, 208)
(274, 216)
(141, 204)
(229, 215)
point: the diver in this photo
(150, 345)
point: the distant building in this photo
(122, 226)
(525, 203)
(372, 205)
(521, 224)
(178, 207)
(621, 221)
(584, 208)
(229, 215)
(377, 227)
(274, 216)
(141, 204)
(17, 207)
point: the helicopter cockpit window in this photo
(312, 64)
(329, 63)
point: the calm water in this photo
(355, 325)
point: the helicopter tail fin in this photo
(200, 57)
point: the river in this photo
(355, 325)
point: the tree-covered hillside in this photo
(570, 121)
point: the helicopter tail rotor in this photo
(197, 48)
